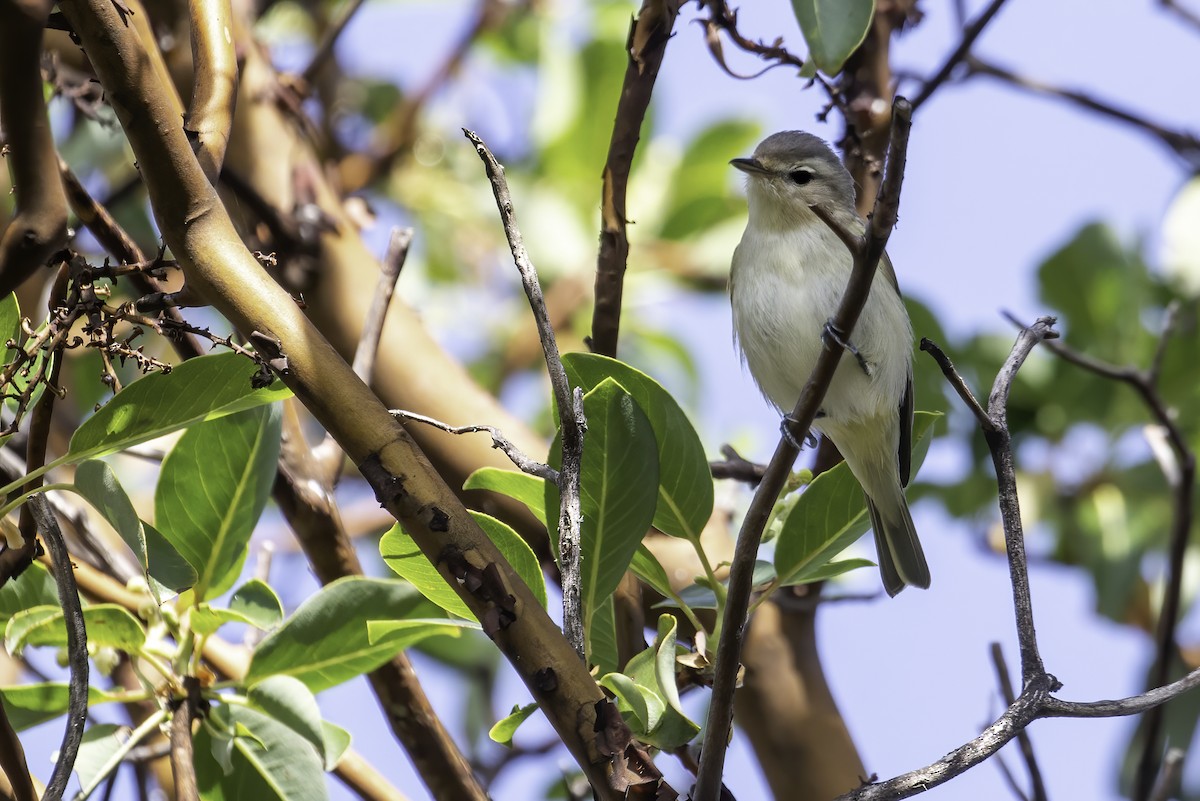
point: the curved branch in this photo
(649, 33)
(217, 265)
(39, 227)
(77, 658)
(214, 83)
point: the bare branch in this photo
(1185, 144)
(867, 253)
(522, 462)
(329, 38)
(77, 658)
(572, 422)
(649, 33)
(958, 55)
(1037, 785)
(183, 767)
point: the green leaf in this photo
(831, 515)
(654, 669)
(832, 570)
(214, 485)
(529, 490)
(254, 603)
(10, 326)
(98, 484)
(337, 743)
(268, 761)
(602, 638)
(100, 742)
(507, 726)
(34, 587)
(833, 29)
(641, 707)
(402, 555)
(28, 705)
(197, 390)
(685, 491)
(107, 624)
(618, 488)
(647, 568)
(167, 565)
(699, 197)
(289, 702)
(701, 596)
(326, 641)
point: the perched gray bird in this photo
(789, 273)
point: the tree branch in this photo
(649, 33)
(217, 265)
(1037, 785)
(958, 55)
(572, 422)
(39, 227)
(867, 252)
(77, 658)
(214, 83)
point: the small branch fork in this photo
(1179, 469)
(1036, 699)
(867, 251)
(570, 405)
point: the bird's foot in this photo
(785, 428)
(831, 333)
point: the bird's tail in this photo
(901, 559)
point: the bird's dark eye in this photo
(800, 177)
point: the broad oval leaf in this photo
(685, 491)
(254, 604)
(619, 490)
(326, 640)
(833, 29)
(402, 555)
(214, 485)
(529, 490)
(10, 325)
(27, 705)
(98, 484)
(107, 625)
(267, 760)
(200, 389)
(34, 587)
(289, 702)
(831, 514)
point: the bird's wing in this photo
(906, 427)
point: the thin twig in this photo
(523, 462)
(956, 382)
(736, 467)
(1168, 780)
(1036, 784)
(649, 33)
(570, 405)
(1185, 14)
(12, 761)
(867, 252)
(1185, 144)
(327, 456)
(1000, 443)
(958, 55)
(77, 658)
(1181, 478)
(329, 38)
(183, 768)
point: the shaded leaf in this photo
(266, 760)
(833, 29)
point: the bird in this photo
(788, 275)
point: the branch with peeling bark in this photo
(197, 228)
(867, 250)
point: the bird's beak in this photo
(750, 166)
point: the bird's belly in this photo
(779, 319)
